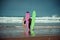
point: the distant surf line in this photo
(38, 19)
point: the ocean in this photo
(15, 29)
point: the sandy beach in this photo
(34, 38)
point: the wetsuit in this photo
(29, 24)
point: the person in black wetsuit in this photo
(29, 24)
(24, 23)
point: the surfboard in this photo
(27, 23)
(33, 23)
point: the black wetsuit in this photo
(29, 23)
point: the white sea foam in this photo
(38, 19)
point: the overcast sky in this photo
(19, 7)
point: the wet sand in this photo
(34, 38)
(17, 33)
